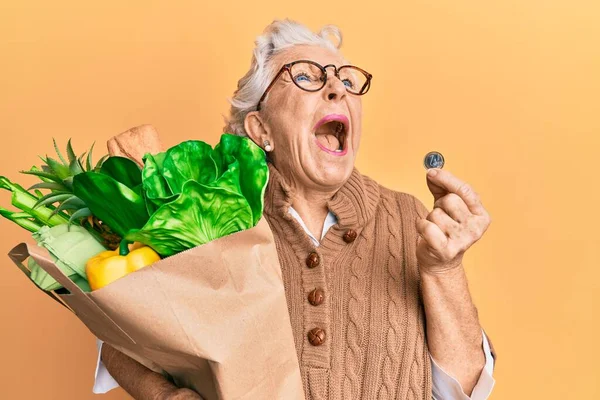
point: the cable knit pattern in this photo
(396, 316)
(372, 314)
(356, 329)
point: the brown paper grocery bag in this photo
(213, 317)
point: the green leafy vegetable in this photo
(254, 172)
(199, 215)
(156, 189)
(123, 170)
(70, 247)
(199, 194)
(115, 204)
(188, 161)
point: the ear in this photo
(255, 128)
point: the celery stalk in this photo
(22, 219)
(25, 201)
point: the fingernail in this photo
(432, 172)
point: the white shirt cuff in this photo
(446, 387)
(103, 381)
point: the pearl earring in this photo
(268, 146)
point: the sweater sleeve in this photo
(422, 211)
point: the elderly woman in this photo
(376, 290)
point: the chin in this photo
(334, 176)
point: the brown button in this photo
(316, 297)
(313, 260)
(350, 236)
(316, 336)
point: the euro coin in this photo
(433, 159)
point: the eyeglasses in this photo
(312, 77)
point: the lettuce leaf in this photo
(188, 161)
(254, 172)
(197, 194)
(199, 215)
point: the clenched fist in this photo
(458, 220)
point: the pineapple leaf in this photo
(61, 170)
(46, 169)
(100, 162)
(75, 167)
(74, 203)
(68, 183)
(58, 152)
(43, 175)
(89, 158)
(38, 193)
(51, 198)
(70, 151)
(84, 212)
(81, 160)
(49, 185)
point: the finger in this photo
(432, 234)
(441, 182)
(454, 206)
(449, 226)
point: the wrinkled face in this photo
(315, 135)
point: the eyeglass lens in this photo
(310, 77)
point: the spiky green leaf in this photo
(74, 203)
(89, 158)
(61, 170)
(75, 167)
(70, 152)
(100, 162)
(43, 175)
(83, 213)
(68, 183)
(60, 156)
(49, 185)
(51, 198)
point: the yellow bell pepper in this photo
(111, 265)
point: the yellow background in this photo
(508, 92)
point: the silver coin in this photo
(433, 159)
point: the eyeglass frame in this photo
(288, 67)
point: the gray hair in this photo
(279, 35)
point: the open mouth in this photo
(332, 135)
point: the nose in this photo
(335, 88)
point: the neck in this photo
(311, 205)
(313, 215)
(353, 204)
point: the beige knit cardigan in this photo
(363, 336)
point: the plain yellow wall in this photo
(508, 91)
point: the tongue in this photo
(329, 141)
